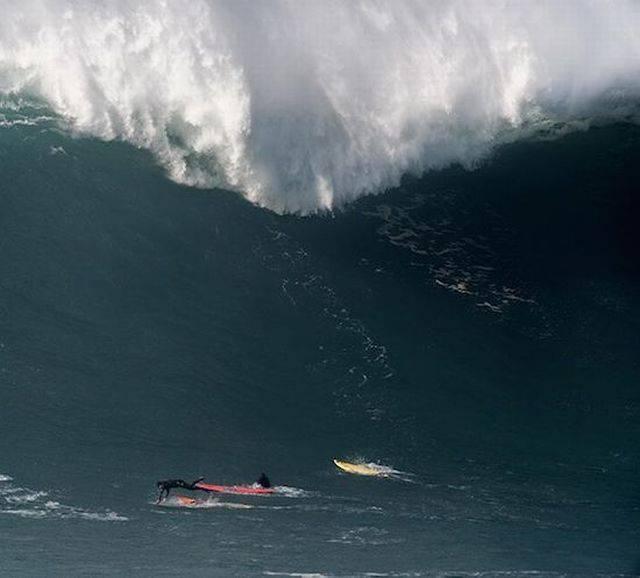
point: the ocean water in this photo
(237, 259)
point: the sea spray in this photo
(306, 105)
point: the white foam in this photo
(306, 105)
(382, 469)
(25, 497)
(297, 574)
(203, 504)
(33, 504)
(290, 492)
(25, 513)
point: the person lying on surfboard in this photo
(263, 481)
(165, 486)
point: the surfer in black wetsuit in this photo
(263, 481)
(165, 486)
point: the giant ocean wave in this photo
(306, 105)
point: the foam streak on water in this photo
(27, 503)
(306, 105)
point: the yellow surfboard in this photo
(359, 469)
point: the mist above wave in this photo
(304, 105)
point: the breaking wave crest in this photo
(306, 105)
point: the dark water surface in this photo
(478, 330)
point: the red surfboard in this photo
(234, 489)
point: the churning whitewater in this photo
(306, 105)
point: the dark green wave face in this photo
(472, 334)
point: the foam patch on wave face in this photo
(28, 503)
(289, 492)
(306, 105)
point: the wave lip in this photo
(304, 106)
